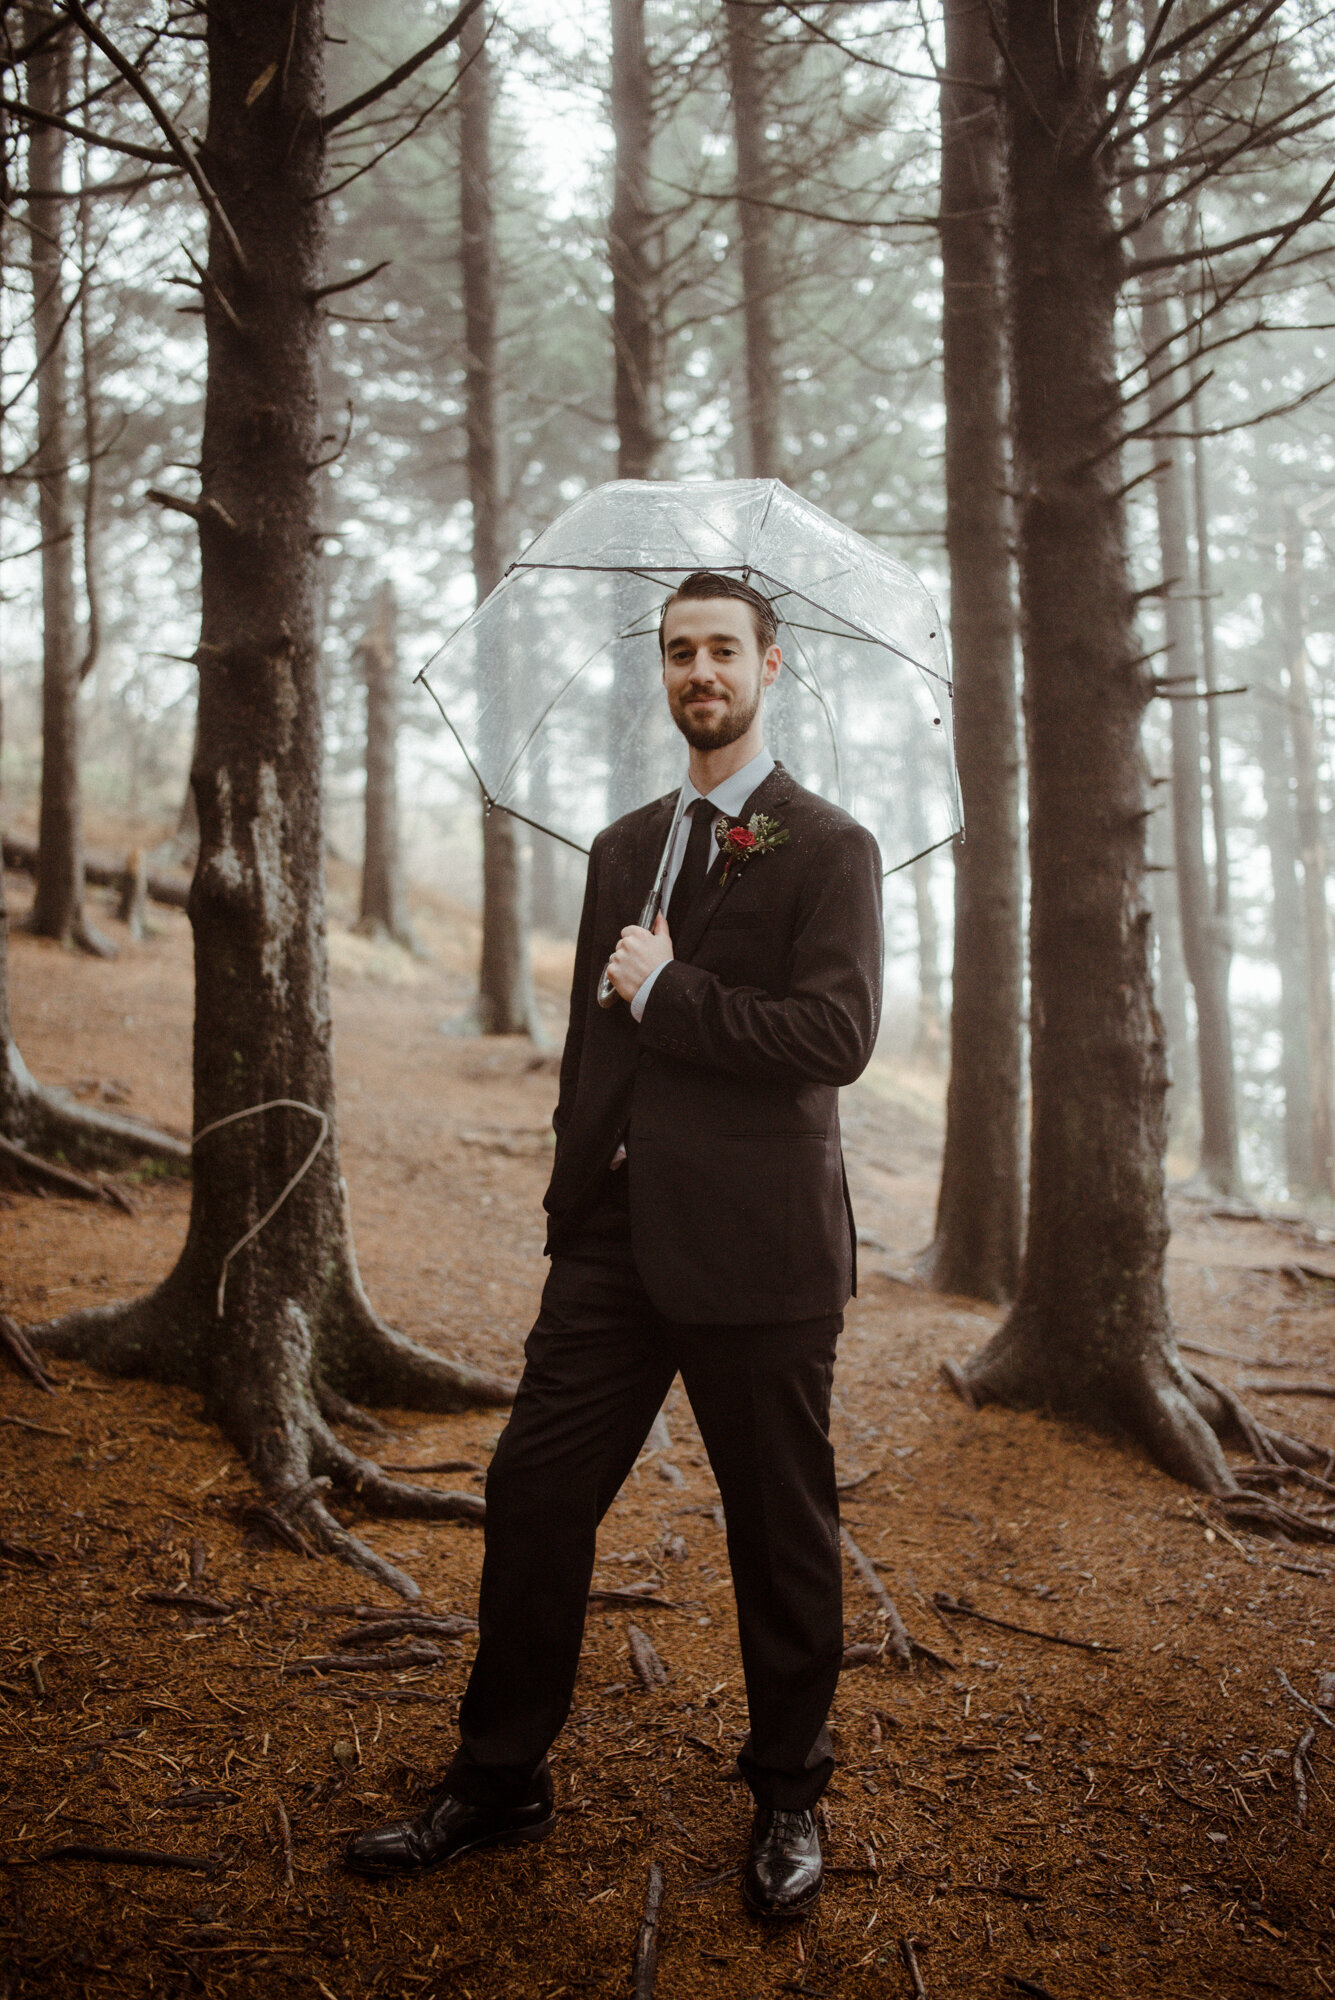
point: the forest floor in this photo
(1117, 1816)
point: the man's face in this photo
(713, 669)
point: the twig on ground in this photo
(896, 1637)
(1302, 1700)
(711, 1881)
(277, 1528)
(646, 1943)
(960, 1607)
(644, 1658)
(187, 1600)
(1218, 1528)
(285, 1840)
(19, 1552)
(452, 1626)
(61, 1179)
(910, 1958)
(1326, 1389)
(631, 1595)
(1300, 1756)
(436, 1465)
(863, 1654)
(14, 1343)
(42, 1430)
(393, 1661)
(129, 1857)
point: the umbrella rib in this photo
(819, 692)
(492, 804)
(566, 685)
(920, 856)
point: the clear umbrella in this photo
(552, 687)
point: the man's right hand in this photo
(637, 954)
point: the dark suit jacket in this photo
(726, 1094)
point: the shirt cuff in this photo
(641, 1000)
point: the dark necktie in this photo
(694, 863)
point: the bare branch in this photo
(198, 510)
(1174, 259)
(333, 119)
(155, 155)
(348, 284)
(180, 148)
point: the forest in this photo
(314, 317)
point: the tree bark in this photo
(929, 1033)
(1090, 1331)
(976, 1250)
(1170, 972)
(1286, 897)
(264, 1313)
(382, 912)
(1205, 940)
(744, 44)
(1312, 855)
(57, 910)
(505, 987)
(634, 340)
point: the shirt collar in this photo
(733, 793)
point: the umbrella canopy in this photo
(552, 688)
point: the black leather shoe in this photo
(783, 1870)
(448, 1827)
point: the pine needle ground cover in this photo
(1146, 1809)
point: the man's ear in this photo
(769, 671)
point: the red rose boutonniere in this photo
(760, 835)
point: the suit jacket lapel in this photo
(768, 795)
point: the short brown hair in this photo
(711, 583)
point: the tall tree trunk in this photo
(264, 1313)
(1205, 943)
(1286, 897)
(1090, 1330)
(976, 1249)
(744, 43)
(634, 341)
(57, 910)
(505, 987)
(929, 1033)
(1312, 854)
(382, 911)
(1170, 972)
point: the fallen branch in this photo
(19, 1552)
(187, 1600)
(1300, 1756)
(646, 1943)
(128, 1857)
(910, 1958)
(863, 1654)
(42, 1430)
(452, 1626)
(21, 856)
(61, 1179)
(285, 1839)
(14, 1343)
(630, 1595)
(1326, 1389)
(960, 1607)
(391, 1662)
(1302, 1700)
(897, 1637)
(437, 1465)
(644, 1658)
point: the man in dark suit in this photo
(699, 1222)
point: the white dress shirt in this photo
(729, 797)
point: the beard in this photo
(734, 722)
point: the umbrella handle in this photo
(607, 993)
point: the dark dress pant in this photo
(598, 1364)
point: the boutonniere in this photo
(760, 835)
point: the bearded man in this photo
(699, 1223)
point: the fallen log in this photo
(172, 891)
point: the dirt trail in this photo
(1094, 1822)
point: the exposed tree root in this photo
(1183, 1417)
(46, 1121)
(279, 1409)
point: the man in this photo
(699, 1221)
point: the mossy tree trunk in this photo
(279, 1349)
